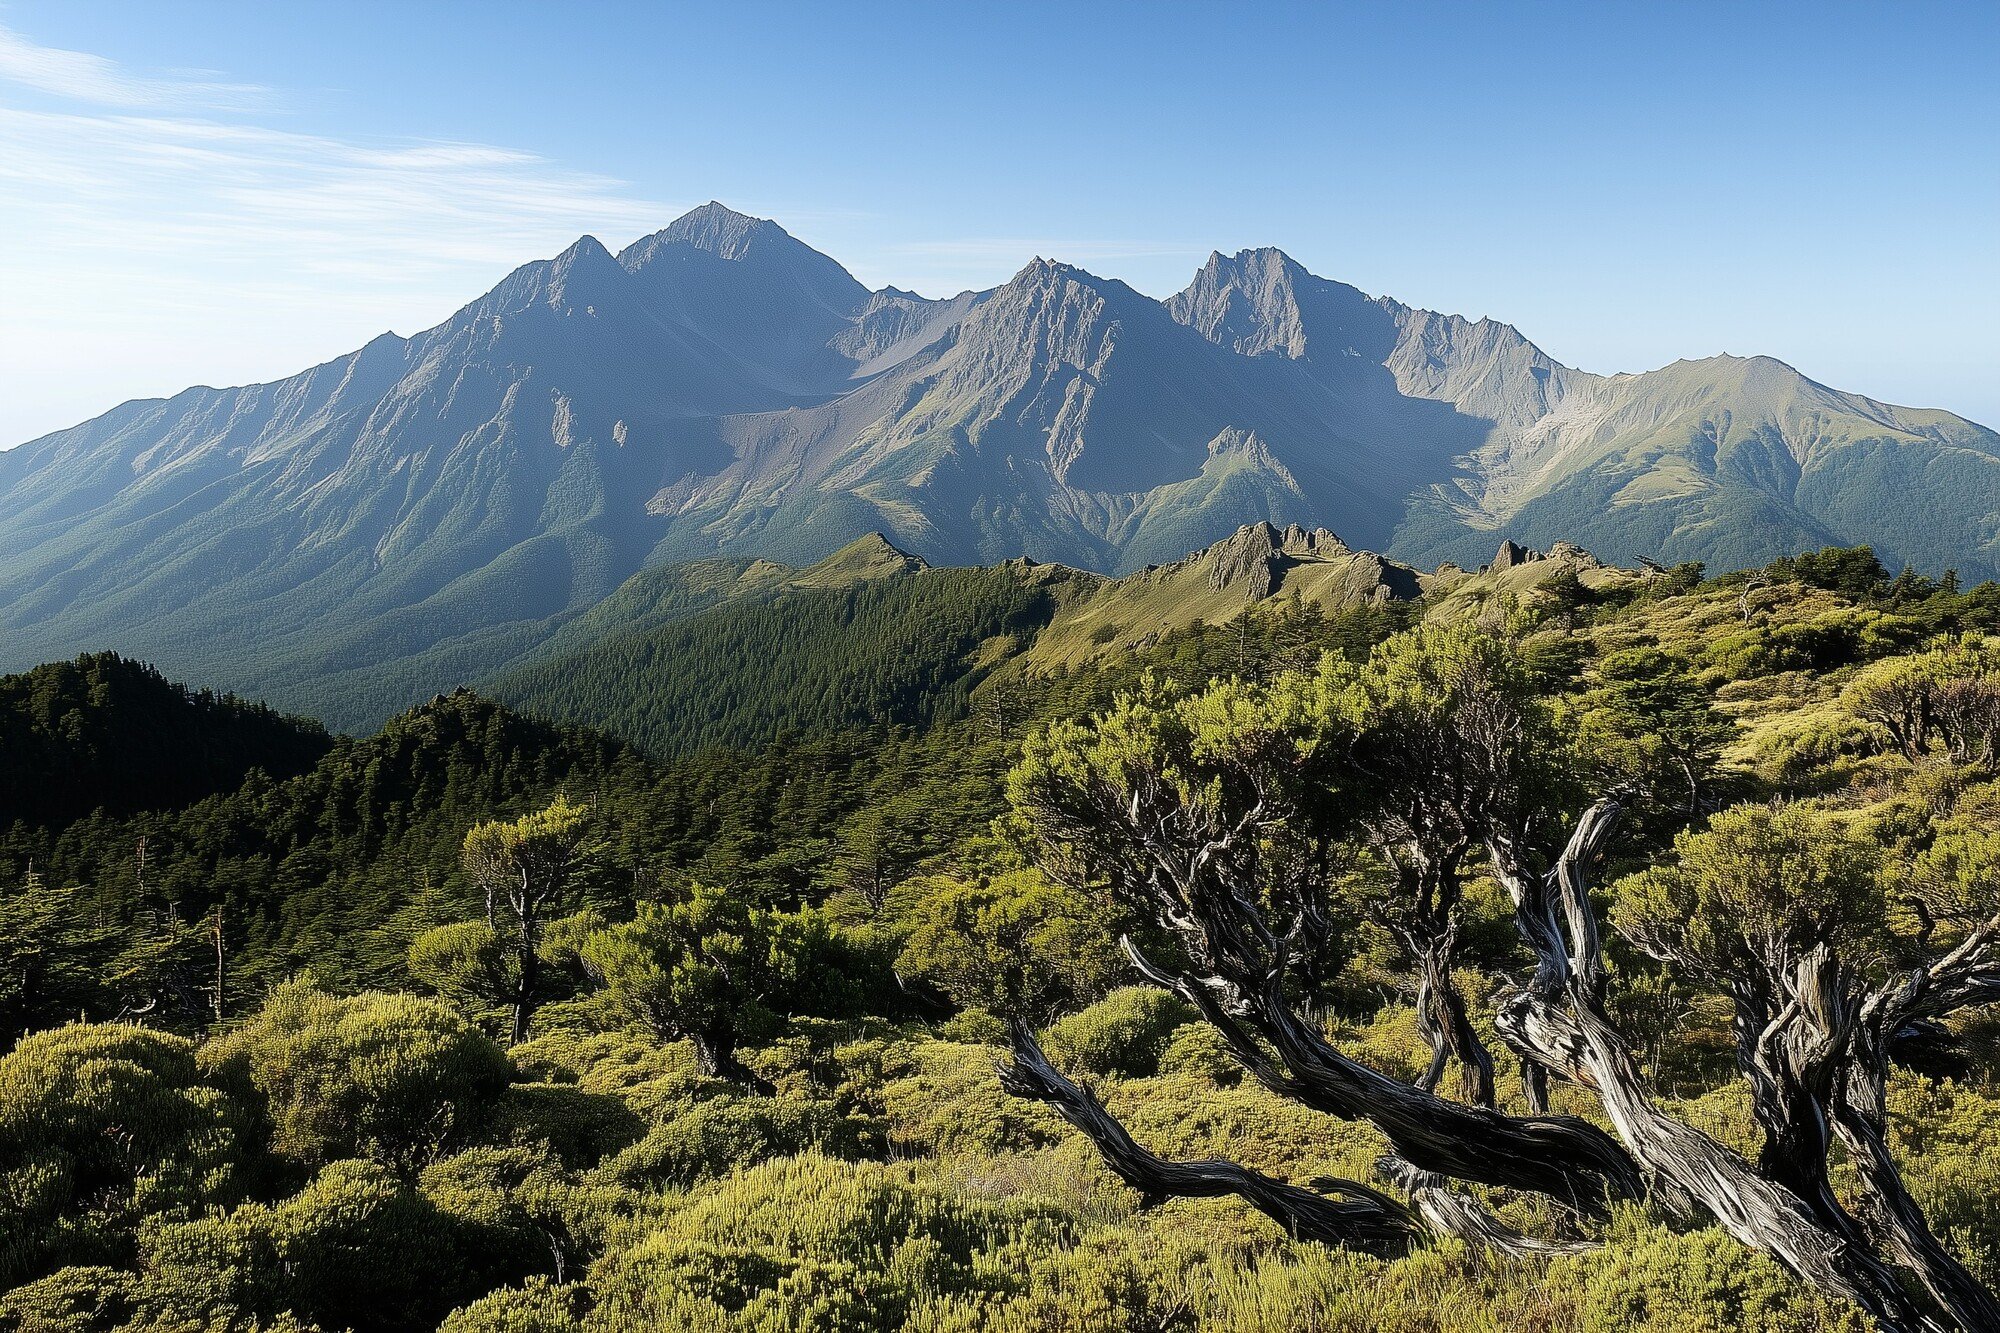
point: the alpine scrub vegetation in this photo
(1567, 958)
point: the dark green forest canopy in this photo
(744, 746)
(337, 866)
(898, 652)
(105, 733)
(838, 706)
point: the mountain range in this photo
(429, 510)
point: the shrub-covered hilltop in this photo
(1554, 952)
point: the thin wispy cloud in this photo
(164, 230)
(84, 77)
(161, 233)
(178, 186)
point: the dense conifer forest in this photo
(898, 651)
(1580, 959)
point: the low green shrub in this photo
(391, 1077)
(102, 1125)
(728, 1133)
(1124, 1033)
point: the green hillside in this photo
(897, 651)
(763, 951)
(105, 733)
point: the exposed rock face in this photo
(1249, 556)
(1256, 563)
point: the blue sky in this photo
(227, 191)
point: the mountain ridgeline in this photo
(104, 733)
(430, 510)
(722, 655)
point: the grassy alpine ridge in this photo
(525, 1024)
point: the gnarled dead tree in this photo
(1181, 807)
(1435, 737)
(1560, 1021)
(1334, 1211)
(1788, 915)
(1183, 810)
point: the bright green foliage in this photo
(1199, 763)
(356, 1248)
(818, 1244)
(389, 1077)
(579, 1126)
(519, 1210)
(1451, 733)
(465, 962)
(1757, 884)
(1262, 791)
(1664, 1283)
(1948, 1135)
(1651, 723)
(1198, 1051)
(525, 868)
(1953, 885)
(723, 1134)
(1813, 751)
(538, 1306)
(711, 969)
(1947, 697)
(101, 1125)
(940, 1098)
(1126, 1032)
(70, 1300)
(538, 852)
(1013, 943)
(341, 1160)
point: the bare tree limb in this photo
(1344, 1214)
(1568, 1159)
(1450, 1212)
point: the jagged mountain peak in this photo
(1257, 562)
(743, 246)
(585, 249)
(1259, 552)
(1260, 260)
(1262, 300)
(584, 271)
(1040, 273)
(866, 557)
(723, 231)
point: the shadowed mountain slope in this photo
(429, 510)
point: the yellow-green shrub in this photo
(391, 1077)
(1125, 1033)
